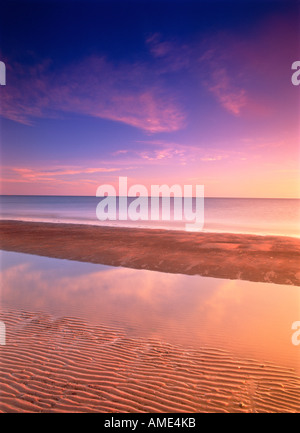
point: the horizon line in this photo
(149, 196)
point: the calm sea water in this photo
(232, 215)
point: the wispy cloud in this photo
(214, 158)
(232, 98)
(239, 72)
(164, 152)
(94, 87)
(72, 180)
(172, 55)
(206, 61)
(141, 94)
(120, 152)
(21, 174)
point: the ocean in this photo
(232, 215)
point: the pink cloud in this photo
(55, 179)
(230, 97)
(250, 75)
(214, 158)
(120, 152)
(213, 68)
(61, 174)
(166, 153)
(92, 87)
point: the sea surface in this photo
(232, 215)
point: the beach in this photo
(273, 259)
(149, 209)
(66, 365)
(131, 320)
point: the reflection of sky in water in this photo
(251, 319)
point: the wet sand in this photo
(67, 365)
(63, 363)
(272, 259)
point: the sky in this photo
(162, 92)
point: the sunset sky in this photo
(172, 92)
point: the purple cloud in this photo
(93, 87)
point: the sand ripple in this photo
(67, 365)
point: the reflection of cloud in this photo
(142, 299)
(94, 87)
(188, 310)
(228, 293)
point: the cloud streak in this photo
(140, 94)
(93, 87)
(21, 174)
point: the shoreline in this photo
(141, 227)
(221, 255)
(271, 259)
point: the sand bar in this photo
(273, 259)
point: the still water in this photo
(252, 320)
